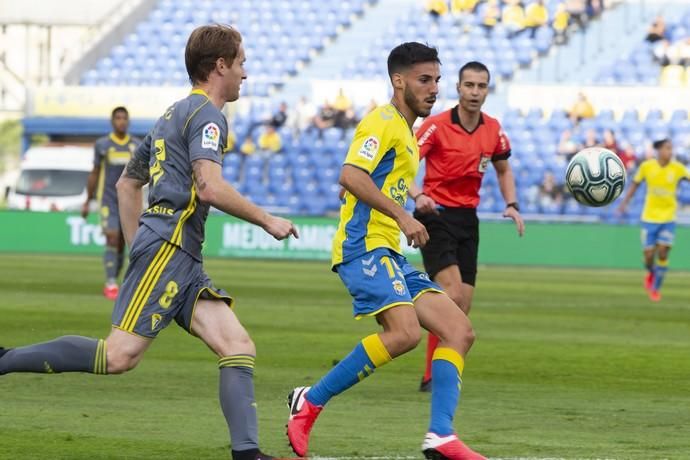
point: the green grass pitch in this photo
(568, 364)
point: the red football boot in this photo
(303, 414)
(449, 447)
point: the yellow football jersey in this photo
(385, 147)
(662, 181)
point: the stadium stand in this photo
(153, 54)
(302, 177)
(661, 58)
(460, 38)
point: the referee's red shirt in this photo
(457, 159)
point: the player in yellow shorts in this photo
(662, 175)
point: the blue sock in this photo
(446, 373)
(369, 354)
(660, 270)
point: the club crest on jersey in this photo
(398, 287)
(210, 136)
(369, 148)
(484, 162)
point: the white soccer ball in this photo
(595, 176)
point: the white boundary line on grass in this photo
(413, 458)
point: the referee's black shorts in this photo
(453, 240)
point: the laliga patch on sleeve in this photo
(369, 148)
(210, 136)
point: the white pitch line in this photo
(413, 458)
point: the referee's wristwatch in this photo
(515, 205)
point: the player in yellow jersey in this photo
(379, 168)
(662, 175)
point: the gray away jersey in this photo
(111, 155)
(191, 129)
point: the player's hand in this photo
(280, 228)
(425, 204)
(514, 214)
(85, 210)
(414, 231)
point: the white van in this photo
(52, 178)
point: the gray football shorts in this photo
(162, 283)
(110, 216)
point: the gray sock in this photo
(237, 400)
(71, 353)
(110, 262)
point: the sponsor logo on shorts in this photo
(369, 148)
(424, 277)
(155, 321)
(399, 287)
(210, 136)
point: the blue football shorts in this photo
(382, 279)
(653, 234)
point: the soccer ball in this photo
(595, 176)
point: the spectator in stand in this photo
(344, 113)
(513, 17)
(627, 156)
(581, 109)
(277, 120)
(232, 142)
(437, 8)
(561, 19)
(657, 30)
(577, 9)
(567, 147)
(590, 139)
(342, 102)
(492, 14)
(463, 6)
(661, 51)
(270, 140)
(301, 118)
(593, 8)
(248, 147)
(550, 193)
(609, 141)
(325, 118)
(536, 16)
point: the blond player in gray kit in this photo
(181, 160)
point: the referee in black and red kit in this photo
(458, 146)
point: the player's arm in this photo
(360, 184)
(506, 182)
(129, 193)
(212, 189)
(426, 139)
(92, 180)
(628, 196)
(632, 188)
